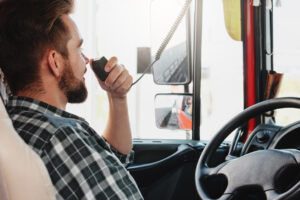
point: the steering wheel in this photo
(261, 169)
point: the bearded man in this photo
(42, 59)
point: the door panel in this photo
(165, 169)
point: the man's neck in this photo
(53, 98)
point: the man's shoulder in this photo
(37, 128)
(29, 118)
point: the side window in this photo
(118, 28)
(286, 27)
(222, 72)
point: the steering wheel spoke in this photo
(271, 194)
(230, 157)
(296, 154)
(225, 197)
(209, 171)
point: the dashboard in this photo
(266, 136)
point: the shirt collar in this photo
(26, 103)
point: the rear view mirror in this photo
(174, 111)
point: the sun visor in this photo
(232, 16)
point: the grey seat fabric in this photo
(3, 189)
(23, 175)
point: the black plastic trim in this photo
(197, 69)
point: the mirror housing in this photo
(174, 111)
(173, 67)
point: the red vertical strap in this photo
(250, 60)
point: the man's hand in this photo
(118, 82)
(117, 85)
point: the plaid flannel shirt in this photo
(81, 164)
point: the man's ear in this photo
(55, 62)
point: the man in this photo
(44, 65)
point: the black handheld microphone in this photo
(98, 68)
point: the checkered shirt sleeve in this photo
(81, 169)
(125, 159)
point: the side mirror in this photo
(173, 67)
(174, 111)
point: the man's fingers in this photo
(123, 89)
(112, 63)
(122, 78)
(114, 75)
(119, 81)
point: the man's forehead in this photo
(69, 22)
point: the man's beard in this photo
(73, 88)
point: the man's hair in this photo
(28, 28)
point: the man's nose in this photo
(87, 60)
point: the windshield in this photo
(144, 23)
(286, 27)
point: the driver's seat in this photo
(23, 175)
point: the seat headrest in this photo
(23, 173)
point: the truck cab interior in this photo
(262, 159)
(220, 89)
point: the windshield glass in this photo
(131, 24)
(222, 72)
(286, 27)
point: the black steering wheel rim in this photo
(247, 114)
